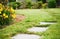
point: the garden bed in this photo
(17, 19)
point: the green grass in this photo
(33, 17)
(36, 14)
(54, 30)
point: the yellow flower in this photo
(1, 5)
(0, 12)
(11, 10)
(4, 14)
(1, 9)
(13, 16)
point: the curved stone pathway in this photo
(26, 36)
(33, 29)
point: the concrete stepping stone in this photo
(47, 23)
(37, 29)
(26, 36)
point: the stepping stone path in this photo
(33, 29)
(46, 23)
(26, 36)
(37, 29)
(40, 29)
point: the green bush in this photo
(52, 3)
(44, 5)
(18, 4)
(39, 4)
(29, 5)
(15, 4)
(6, 15)
(34, 5)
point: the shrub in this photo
(15, 4)
(34, 5)
(51, 3)
(18, 4)
(44, 5)
(39, 4)
(6, 14)
(29, 5)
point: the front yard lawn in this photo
(32, 18)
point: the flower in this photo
(1, 9)
(1, 5)
(7, 13)
(4, 14)
(11, 10)
(0, 12)
(13, 16)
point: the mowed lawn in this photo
(32, 18)
(36, 14)
(54, 30)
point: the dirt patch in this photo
(19, 17)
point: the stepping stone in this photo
(26, 36)
(37, 29)
(46, 23)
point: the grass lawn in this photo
(33, 17)
(54, 30)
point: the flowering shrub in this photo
(7, 14)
